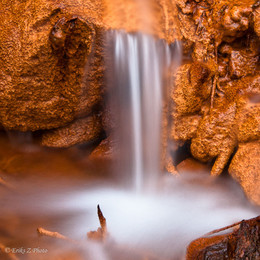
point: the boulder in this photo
(45, 54)
(84, 130)
(245, 168)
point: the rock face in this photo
(52, 67)
(215, 99)
(52, 60)
(245, 168)
(42, 66)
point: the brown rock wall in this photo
(245, 168)
(215, 98)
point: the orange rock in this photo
(257, 20)
(191, 165)
(216, 136)
(185, 128)
(104, 151)
(52, 57)
(43, 52)
(79, 131)
(245, 168)
(215, 98)
(190, 89)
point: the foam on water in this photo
(163, 223)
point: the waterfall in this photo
(139, 64)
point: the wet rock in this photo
(249, 122)
(236, 21)
(257, 20)
(52, 57)
(84, 130)
(239, 60)
(185, 128)
(190, 91)
(248, 110)
(234, 118)
(169, 166)
(245, 168)
(215, 136)
(241, 243)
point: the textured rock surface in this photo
(215, 99)
(79, 131)
(44, 51)
(245, 168)
(215, 137)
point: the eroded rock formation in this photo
(245, 167)
(51, 67)
(52, 62)
(215, 100)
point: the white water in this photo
(140, 64)
(161, 224)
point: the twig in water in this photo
(102, 220)
(44, 232)
(233, 225)
(6, 184)
(6, 250)
(101, 232)
(222, 229)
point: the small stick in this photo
(102, 220)
(101, 233)
(233, 225)
(221, 229)
(44, 232)
(10, 255)
(5, 184)
(213, 91)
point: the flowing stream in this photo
(158, 224)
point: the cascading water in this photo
(139, 64)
